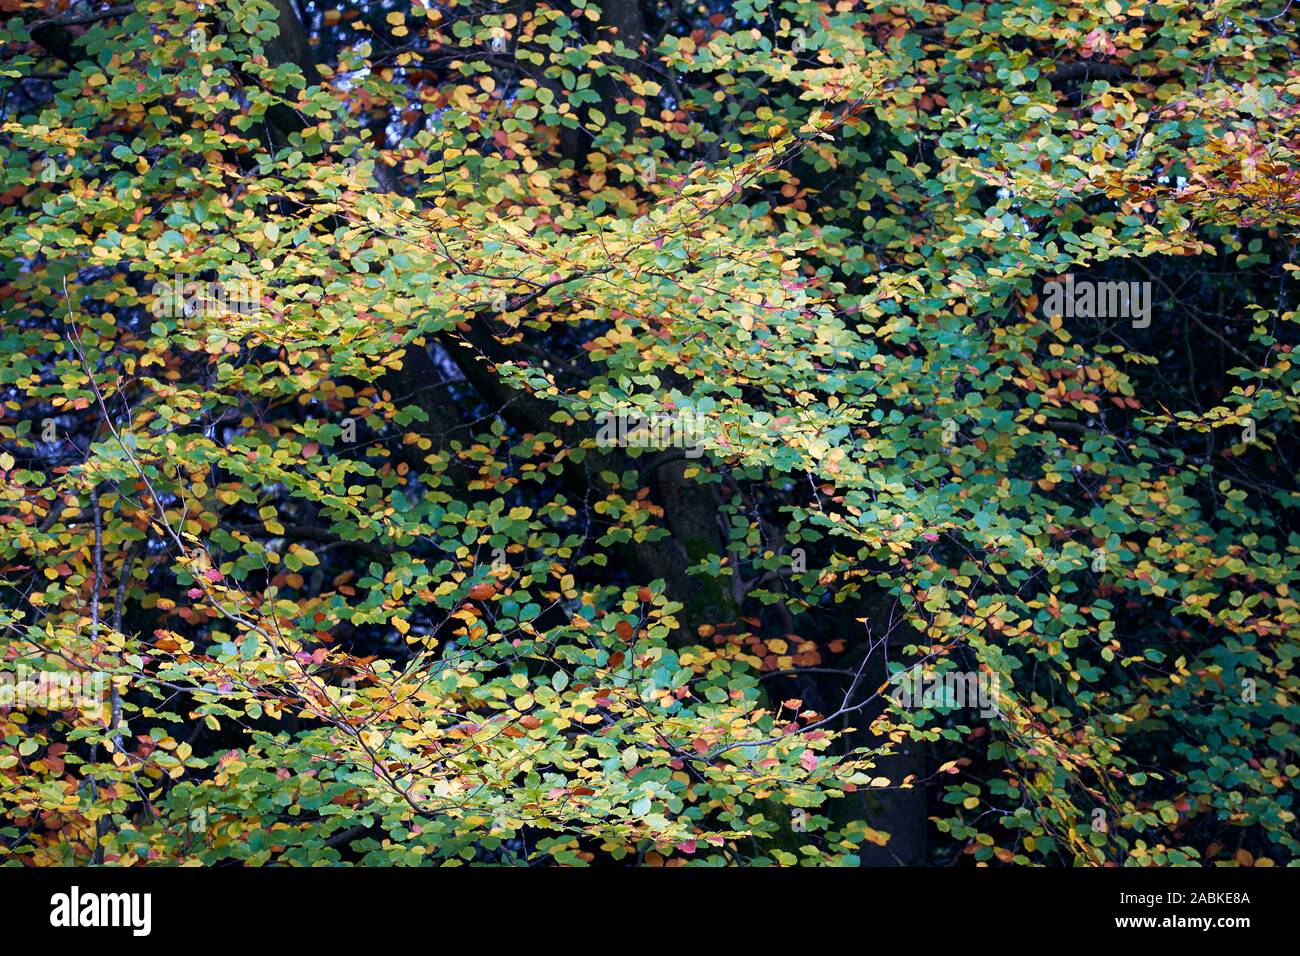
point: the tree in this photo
(630, 432)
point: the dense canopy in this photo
(328, 534)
